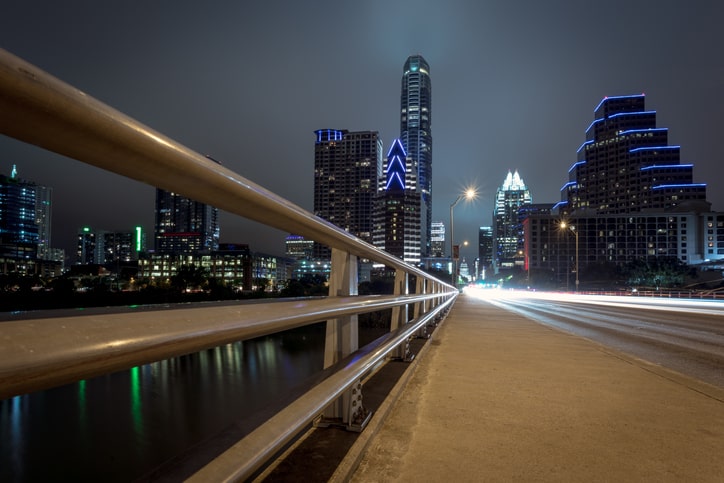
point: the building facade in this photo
(508, 234)
(298, 247)
(693, 238)
(397, 211)
(485, 251)
(437, 240)
(626, 164)
(347, 168)
(628, 197)
(103, 247)
(184, 226)
(416, 138)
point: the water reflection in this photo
(120, 426)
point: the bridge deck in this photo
(497, 397)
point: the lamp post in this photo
(573, 230)
(468, 195)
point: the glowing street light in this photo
(565, 225)
(469, 194)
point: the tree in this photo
(657, 272)
(189, 277)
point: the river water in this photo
(121, 426)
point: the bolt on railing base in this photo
(357, 425)
(404, 352)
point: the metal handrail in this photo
(243, 459)
(43, 353)
(39, 109)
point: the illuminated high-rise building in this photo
(347, 167)
(416, 137)
(485, 247)
(397, 213)
(104, 247)
(184, 226)
(437, 239)
(509, 240)
(626, 164)
(18, 222)
(628, 198)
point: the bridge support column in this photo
(342, 339)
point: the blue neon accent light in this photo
(569, 184)
(607, 98)
(653, 148)
(395, 181)
(651, 129)
(668, 186)
(326, 135)
(583, 145)
(577, 164)
(592, 123)
(397, 144)
(396, 167)
(559, 204)
(618, 114)
(667, 166)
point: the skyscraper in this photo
(507, 227)
(416, 137)
(18, 224)
(184, 226)
(485, 247)
(437, 239)
(43, 218)
(347, 167)
(628, 197)
(626, 164)
(397, 213)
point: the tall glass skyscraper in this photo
(397, 213)
(507, 227)
(18, 224)
(416, 137)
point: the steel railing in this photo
(39, 109)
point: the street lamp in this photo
(564, 225)
(469, 194)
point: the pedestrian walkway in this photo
(497, 397)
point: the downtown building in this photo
(184, 226)
(437, 240)
(25, 229)
(628, 197)
(484, 262)
(508, 233)
(104, 247)
(347, 169)
(397, 211)
(185, 233)
(416, 138)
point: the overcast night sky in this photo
(514, 85)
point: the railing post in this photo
(421, 307)
(342, 339)
(400, 315)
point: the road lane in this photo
(684, 336)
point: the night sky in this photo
(514, 85)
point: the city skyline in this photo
(248, 85)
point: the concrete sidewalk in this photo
(497, 397)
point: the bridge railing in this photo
(39, 109)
